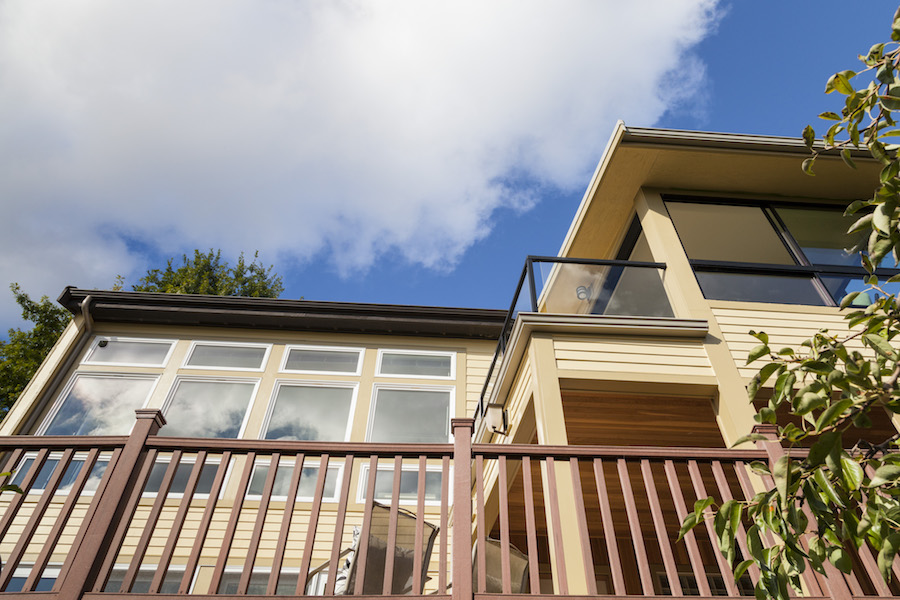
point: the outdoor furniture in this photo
(518, 569)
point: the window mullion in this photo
(797, 252)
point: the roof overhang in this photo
(294, 315)
(700, 162)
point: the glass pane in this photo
(100, 405)
(423, 365)
(259, 581)
(232, 357)
(759, 288)
(182, 474)
(822, 234)
(727, 233)
(331, 361)
(840, 286)
(411, 416)
(308, 479)
(207, 409)
(310, 413)
(571, 288)
(409, 485)
(129, 352)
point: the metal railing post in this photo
(462, 508)
(84, 561)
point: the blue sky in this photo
(402, 152)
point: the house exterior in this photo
(190, 445)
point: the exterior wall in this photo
(630, 355)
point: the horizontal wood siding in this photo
(477, 366)
(632, 355)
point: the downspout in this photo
(84, 334)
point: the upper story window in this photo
(310, 411)
(410, 415)
(129, 352)
(771, 253)
(416, 364)
(212, 408)
(322, 360)
(227, 356)
(98, 404)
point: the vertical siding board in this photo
(530, 527)
(61, 519)
(445, 511)
(144, 541)
(690, 539)
(334, 559)
(504, 525)
(122, 526)
(724, 568)
(420, 527)
(203, 528)
(609, 531)
(556, 525)
(586, 554)
(481, 584)
(12, 561)
(634, 524)
(390, 551)
(310, 542)
(166, 558)
(250, 559)
(659, 524)
(233, 519)
(366, 528)
(286, 518)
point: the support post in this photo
(86, 559)
(462, 508)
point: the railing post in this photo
(837, 585)
(462, 508)
(85, 560)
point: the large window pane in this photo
(108, 351)
(416, 364)
(759, 288)
(839, 286)
(207, 409)
(100, 405)
(409, 485)
(68, 479)
(305, 412)
(222, 356)
(308, 479)
(322, 360)
(822, 235)
(182, 474)
(410, 416)
(727, 233)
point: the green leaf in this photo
(863, 223)
(741, 568)
(880, 345)
(848, 299)
(830, 415)
(809, 135)
(845, 155)
(807, 166)
(885, 474)
(767, 371)
(824, 446)
(784, 385)
(881, 219)
(690, 521)
(757, 353)
(852, 473)
(829, 116)
(750, 437)
(840, 559)
(808, 402)
(781, 474)
(762, 336)
(886, 555)
(824, 484)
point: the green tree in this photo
(23, 353)
(829, 501)
(207, 273)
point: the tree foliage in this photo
(24, 351)
(208, 273)
(829, 501)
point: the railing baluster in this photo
(366, 528)
(390, 551)
(205, 521)
(556, 526)
(609, 530)
(502, 483)
(662, 536)
(310, 542)
(144, 541)
(444, 533)
(284, 531)
(690, 539)
(724, 568)
(585, 535)
(233, 519)
(13, 508)
(9, 465)
(634, 524)
(250, 559)
(534, 577)
(178, 524)
(334, 560)
(420, 526)
(480, 527)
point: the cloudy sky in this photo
(384, 151)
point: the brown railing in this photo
(120, 517)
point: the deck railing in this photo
(119, 517)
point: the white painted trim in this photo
(411, 388)
(287, 351)
(449, 354)
(112, 338)
(195, 343)
(279, 383)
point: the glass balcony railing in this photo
(574, 286)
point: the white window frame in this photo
(111, 338)
(307, 464)
(57, 456)
(364, 480)
(353, 385)
(60, 398)
(195, 343)
(447, 353)
(411, 388)
(191, 460)
(170, 397)
(287, 352)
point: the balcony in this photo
(219, 519)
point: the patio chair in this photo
(518, 569)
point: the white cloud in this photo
(340, 128)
